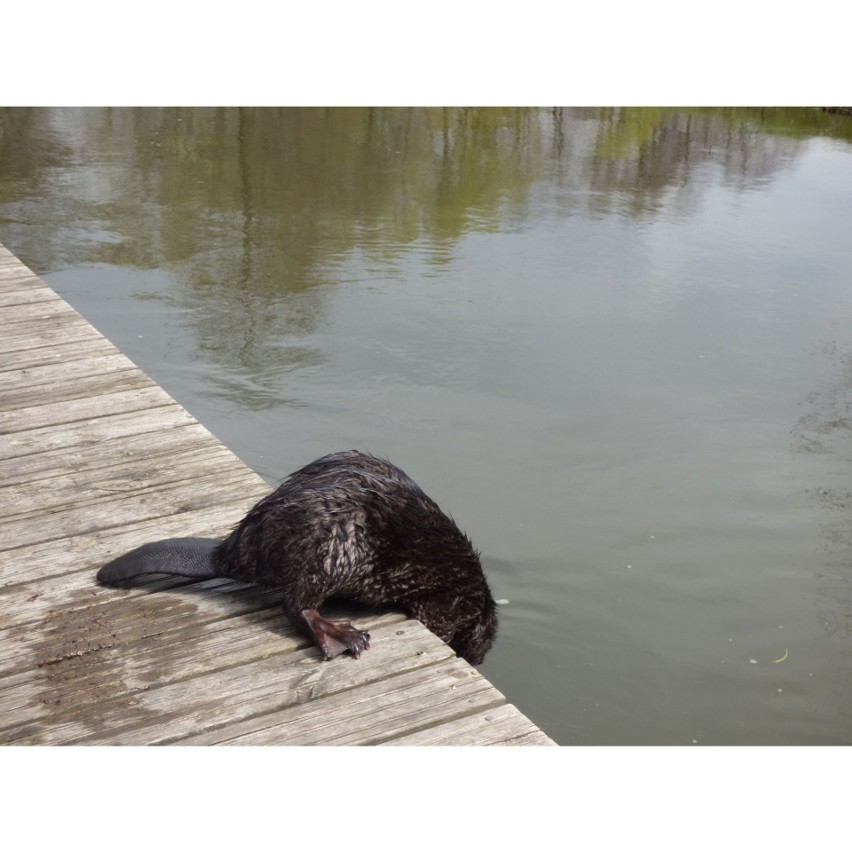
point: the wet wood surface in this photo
(95, 459)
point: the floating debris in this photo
(781, 660)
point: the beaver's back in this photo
(350, 525)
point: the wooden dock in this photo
(95, 459)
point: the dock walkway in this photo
(95, 459)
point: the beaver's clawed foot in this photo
(334, 637)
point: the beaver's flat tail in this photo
(184, 557)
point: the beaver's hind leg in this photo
(333, 637)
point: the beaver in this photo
(348, 525)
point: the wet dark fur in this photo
(351, 526)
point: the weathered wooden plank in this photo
(143, 399)
(379, 710)
(111, 453)
(18, 277)
(15, 280)
(33, 579)
(83, 436)
(111, 511)
(23, 296)
(297, 680)
(59, 353)
(47, 496)
(52, 689)
(92, 617)
(25, 382)
(254, 628)
(61, 329)
(123, 378)
(88, 677)
(38, 311)
(496, 726)
(77, 617)
(63, 362)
